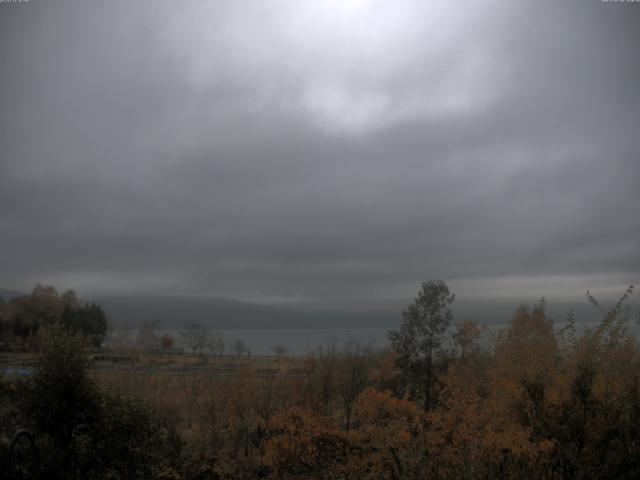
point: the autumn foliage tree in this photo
(526, 400)
(531, 401)
(390, 440)
(352, 378)
(302, 442)
(24, 318)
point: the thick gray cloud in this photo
(330, 151)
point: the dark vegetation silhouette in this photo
(79, 430)
(419, 340)
(447, 400)
(25, 321)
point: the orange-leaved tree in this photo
(389, 440)
(300, 441)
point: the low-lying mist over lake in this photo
(171, 312)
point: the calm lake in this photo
(301, 341)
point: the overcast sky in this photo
(320, 152)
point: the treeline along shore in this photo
(444, 399)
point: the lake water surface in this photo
(302, 341)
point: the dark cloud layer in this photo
(285, 151)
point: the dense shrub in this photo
(81, 432)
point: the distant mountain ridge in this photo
(168, 312)
(171, 312)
